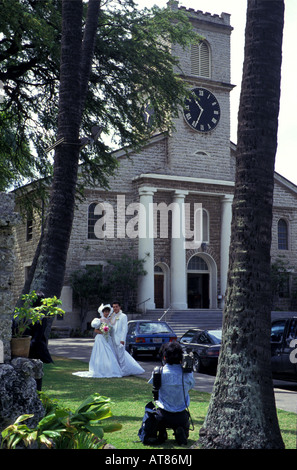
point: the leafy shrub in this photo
(62, 429)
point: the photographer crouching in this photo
(172, 383)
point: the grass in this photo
(129, 395)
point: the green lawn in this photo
(129, 396)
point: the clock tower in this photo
(200, 145)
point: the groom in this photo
(119, 333)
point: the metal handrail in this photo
(165, 312)
(143, 302)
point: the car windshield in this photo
(216, 336)
(189, 336)
(153, 328)
(277, 330)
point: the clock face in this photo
(202, 110)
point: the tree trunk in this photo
(242, 411)
(76, 60)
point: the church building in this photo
(171, 202)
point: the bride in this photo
(103, 362)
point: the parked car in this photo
(205, 346)
(283, 348)
(147, 337)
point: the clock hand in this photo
(201, 111)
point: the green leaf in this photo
(23, 418)
(97, 430)
(53, 434)
(94, 399)
(111, 427)
(43, 440)
(61, 413)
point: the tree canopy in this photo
(132, 68)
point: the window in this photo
(153, 328)
(292, 333)
(200, 60)
(282, 233)
(29, 227)
(197, 264)
(277, 331)
(158, 270)
(189, 337)
(131, 329)
(92, 219)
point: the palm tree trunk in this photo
(242, 410)
(76, 59)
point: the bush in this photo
(62, 429)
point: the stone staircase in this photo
(182, 320)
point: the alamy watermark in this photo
(154, 220)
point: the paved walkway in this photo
(80, 349)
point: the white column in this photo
(226, 218)
(146, 248)
(178, 256)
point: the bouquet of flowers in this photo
(105, 329)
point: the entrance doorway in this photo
(198, 290)
(159, 287)
(198, 283)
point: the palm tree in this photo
(242, 410)
(118, 45)
(76, 59)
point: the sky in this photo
(286, 157)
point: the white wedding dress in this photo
(131, 367)
(104, 364)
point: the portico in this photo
(173, 282)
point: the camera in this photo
(188, 362)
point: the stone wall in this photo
(18, 378)
(18, 394)
(8, 218)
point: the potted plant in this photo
(33, 310)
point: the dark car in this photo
(205, 346)
(147, 337)
(284, 348)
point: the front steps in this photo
(182, 320)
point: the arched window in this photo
(282, 233)
(158, 270)
(196, 263)
(200, 60)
